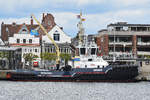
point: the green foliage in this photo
(4, 55)
(147, 56)
(143, 56)
(65, 56)
(52, 56)
(29, 57)
(48, 56)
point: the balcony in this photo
(143, 43)
(122, 54)
(143, 53)
(129, 33)
(120, 43)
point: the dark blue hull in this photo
(110, 73)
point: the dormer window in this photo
(56, 37)
(24, 30)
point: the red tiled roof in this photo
(14, 28)
(22, 44)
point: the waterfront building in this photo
(1, 42)
(10, 58)
(129, 40)
(61, 39)
(29, 43)
(8, 30)
(18, 35)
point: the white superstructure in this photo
(87, 51)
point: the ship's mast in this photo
(81, 28)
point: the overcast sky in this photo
(98, 13)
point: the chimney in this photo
(43, 16)
(61, 28)
(13, 24)
(31, 21)
(2, 23)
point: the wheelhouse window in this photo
(93, 51)
(18, 40)
(82, 51)
(57, 37)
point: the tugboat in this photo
(87, 66)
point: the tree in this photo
(52, 56)
(4, 54)
(66, 57)
(29, 57)
(48, 56)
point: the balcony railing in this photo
(143, 43)
(120, 43)
(122, 54)
(143, 53)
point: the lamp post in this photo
(102, 45)
(114, 54)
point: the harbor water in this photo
(74, 91)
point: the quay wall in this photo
(144, 72)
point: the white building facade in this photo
(58, 35)
(28, 43)
(60, 38)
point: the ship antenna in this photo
(80, 27)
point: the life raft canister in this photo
(8, 76)
(35, 64)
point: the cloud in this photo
(131, 2)
(80, 2)
(93, 23)
(9, 7)
(98, 21)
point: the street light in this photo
(114, 58)
(124, 45)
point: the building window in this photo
(56, 37)
(25, 50)
(24, 40)
(30, 40)
(61, 50)
(51, 50)
(18, 40)
(65, 50)
(35, 50)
